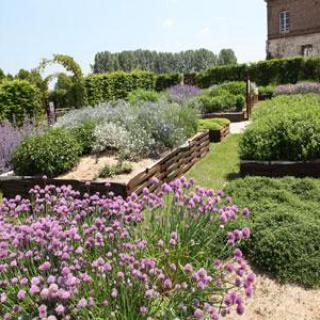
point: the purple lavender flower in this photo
(182, 93)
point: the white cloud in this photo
(168, 23)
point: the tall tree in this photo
(227, 56)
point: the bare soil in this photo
(273, 301)
(88, 169)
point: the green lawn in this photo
(219, 166)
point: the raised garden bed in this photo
(280, 168)
(172, 165)
(232, 116)
(219, 135)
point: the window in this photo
(284, 22)
(307, 50)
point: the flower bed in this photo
(103, 257)
(219, 128)
(174, 164)
(284, 138)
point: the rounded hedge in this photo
(19, 98)
(50, 154)
(284, 128)
(287, 246)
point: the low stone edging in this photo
(280, 168)
(171, 166)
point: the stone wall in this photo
(292, 46)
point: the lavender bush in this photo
(299, 88)
(10, 138)
(182, 93)
(102, 257)
(150, 127)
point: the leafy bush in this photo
(141, 95)
(84, 134)
(267, 90)
(285, 226)
(284, 128)
(109, 136)
(108, 171)
(117, 85)
(50, 154)
(299, 88)
(213, 124)
(234, 87)
(220, 103)
(104, 257)
(19, 99)
(167, 80)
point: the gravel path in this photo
(238, 127)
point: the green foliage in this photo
(109, 171)
(160, 62)
(167, 80)
(285, 226)
(142, 95)
(284, 128)
(51, 154)
(117, 85)
(214, 123)
(267, 90)
(84, 134)
(220, 103)
(227, 56)
(19, 98)
(276, 71)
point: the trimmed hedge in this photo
(284, 128)
(276, 71)
(50, 154)
(285, 227)
(167, 80)
(117, 85)
(213, 124)
(18, 99)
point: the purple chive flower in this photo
(198, 314)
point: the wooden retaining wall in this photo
(171, 166)
(232, 116)
(280, 168)
(219, 135)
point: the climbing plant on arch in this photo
(70, 65)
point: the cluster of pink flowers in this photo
(67, 256)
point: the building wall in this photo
(292, 46)
(304, 17)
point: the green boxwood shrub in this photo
(220, 103)
(214, 123)
(142, 95)
(167, 80)
(84, 134)
(284, 128)
(50, 154)
(116, 85)
(285, 225)
(20, 99)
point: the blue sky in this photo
(34, 29)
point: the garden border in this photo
(280, 168)
(217, 136)
(171, 166)
(232, 116)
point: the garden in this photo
(194, 247)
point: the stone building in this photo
(293, 28)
